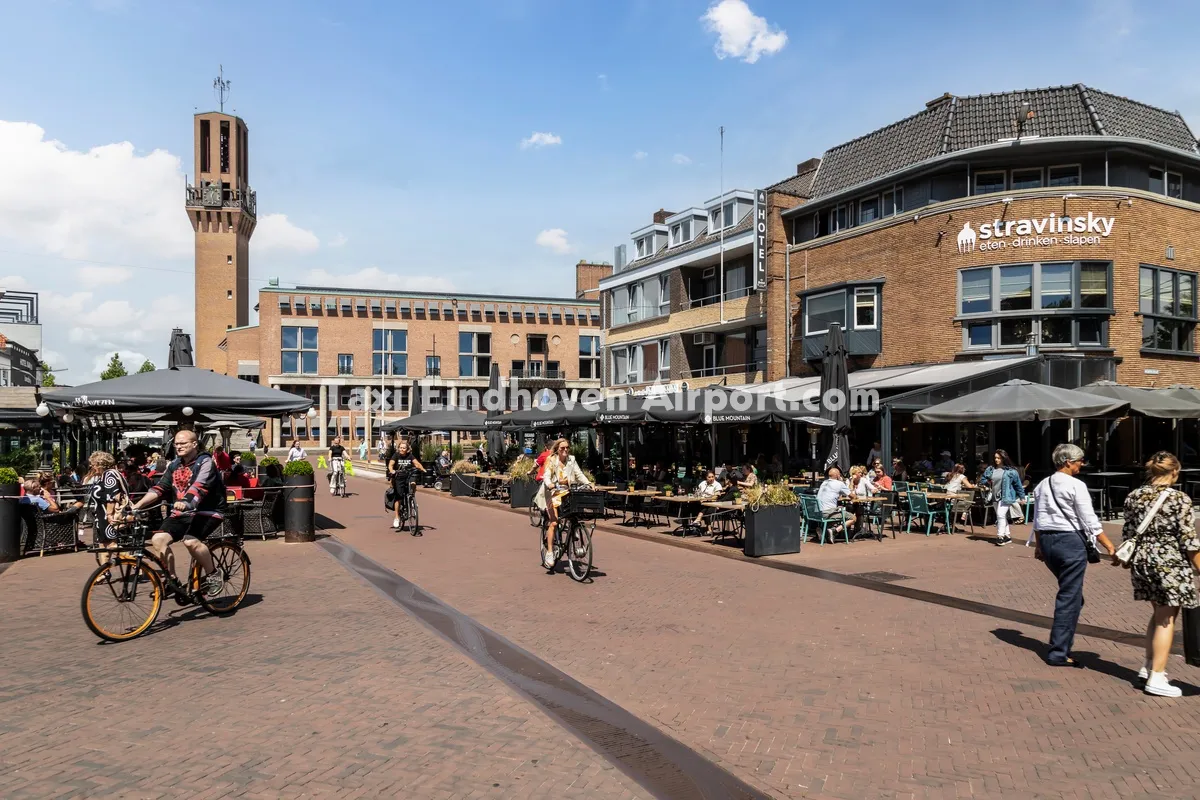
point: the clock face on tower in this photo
(213, 194)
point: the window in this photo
(634, 302)
(205, 146)
(229, 294)
(1056, 330)
(225, 146)
(664, 359)
(844, 217)
(986, 182)
(864, 307)
(537, 344)
(979, 335)
(976, 290)
(433, 366)
(893, 202)
(517, 369)
(681, 232)
(822, 310)
(589, 357)
(1167, 302)
(641, 248)
(474, 354)
(1015, 331)
(345, 363)
(1056, 285)
(552, 370)
(868, 210)
(664, 294)
(1016, 288)
(1164, 182)
(721, 218)
(1063, 176)
(389, 352)
(1027, 178)
(1093, 285)
(299, 351)
(735, 282)
(758, 348)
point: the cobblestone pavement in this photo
(798, 686)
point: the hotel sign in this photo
(1002, 234)
(760, 240)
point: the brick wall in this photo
(588, 277)
(778, 304)
(918, 255)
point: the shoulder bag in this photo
(1125, 551)
(1093, 555)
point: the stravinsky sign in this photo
(1000, 234)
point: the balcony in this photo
(858, 343)
(538, 374)
(218, 195)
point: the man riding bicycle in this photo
(401, 463)
(337, 465)
(194, 482)
(561, 473)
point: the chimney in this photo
(588, 277)
(807, 166)
(937, 101)
(661, 215)
(618, 258)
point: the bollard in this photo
(299, 510)
(10, 523)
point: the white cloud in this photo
(375, 278)
(541, 140)
(681, 159)
(132, 359)
(106, 203)
(741, 33)
(97, 275)
(15, 282)
(603, 79)
(275, 232)
(554, 240)
(640, 155)
(338, 241)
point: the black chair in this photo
(258, 519)
(55, 530)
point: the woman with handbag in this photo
(1004, 482)
(1066, 531)
(1159, 542)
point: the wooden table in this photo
(635, 508)
(684, 522)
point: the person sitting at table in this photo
(880, 478)
(237, 473)
(958, 480)
(860, 482)
(38, 496)
(832, 489)
(899, 471)
(707, 490)
(749, 477)
(945, 464)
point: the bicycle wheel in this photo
(234, 567)
(414, 520)
(121, 599)
(535, 515)
(579, 551)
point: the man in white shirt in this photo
(831, 489)
(1064, 522)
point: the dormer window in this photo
(681, 232)
(721, 218)
(643, 246)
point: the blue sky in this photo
(386, 137)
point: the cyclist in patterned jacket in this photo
(194, 483)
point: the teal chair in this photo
(811, 511)
(900, 486)
(918, 507)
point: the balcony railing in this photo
(218, 195)
(726, 369)
(539, 374)
(712, 300)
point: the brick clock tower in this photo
(222, 209)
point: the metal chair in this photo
(960, 506)
(56, 530)
(258, 517)
(918, 506)
(811, 514)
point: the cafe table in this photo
(635, 507)
(730, 517)
(685, 519)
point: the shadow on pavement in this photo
(326, 523)
(1090, 661)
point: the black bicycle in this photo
(123, 596)
(573, 533)
(337, 476)
(409, 513)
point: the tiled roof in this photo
(798, 185)
(952, 124)
(703, 238)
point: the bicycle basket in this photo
(582, 503)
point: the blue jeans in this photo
(1066, 557)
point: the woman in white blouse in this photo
(560, 475)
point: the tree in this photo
(115, 368)
(47, 376)
(147, 366)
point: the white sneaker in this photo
(1144, 673)
(1157, 684)
(549, 561)
(396, 524)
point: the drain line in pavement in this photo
(662, 765)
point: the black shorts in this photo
(194, 525)
(404, 483)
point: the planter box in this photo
(10, 523)
(520, 493)
(462, 485)
(773, 531)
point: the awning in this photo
(1147, 402)
(1021, 401)
(451, 419)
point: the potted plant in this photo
(774, 524)
(523, 486)
(299, 512)
(10, 518)
(462, 478)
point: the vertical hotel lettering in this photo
(760, 240)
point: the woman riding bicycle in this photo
(337, 465)
(401, 463)
(561, 473)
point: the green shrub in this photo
(464, 467)
(770, 494)
(269, 461)
(297, 468)
(521, 467)
(429, 453)
(249, 459)
(9, 475)
(23, 460)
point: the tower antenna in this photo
(221, 87)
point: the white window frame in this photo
(810, 332)
(975, 180)
(704, 369)
(886, 210)
(676, 234)
(642, 247)
(877, 199)
(664, 357)
(633, 302)
(1078, 168)
(339, 364)
(633, 365)
(1041, 177)
(664, 294)
(873, 291)
(618, 379)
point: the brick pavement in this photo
(809, 688)
(320, 688)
